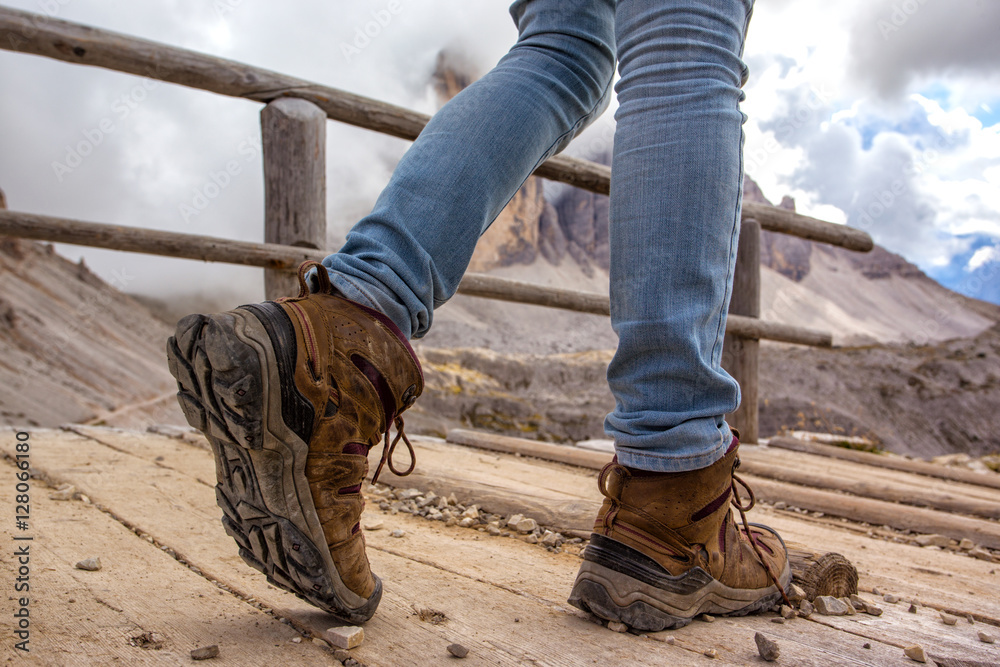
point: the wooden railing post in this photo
(740, 355)
(294, 148)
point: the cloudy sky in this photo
(882, 114)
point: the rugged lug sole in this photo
(618, 583)
(225, 389)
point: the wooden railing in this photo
(293, 126)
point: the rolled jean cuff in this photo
(680, 449)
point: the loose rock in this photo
(779, 620)
(616, 626)
(707, 618)
(513, 521)
(493, 528)
(986, 638)
(981, 554)
(408, 494)
(933, 540)
(851, 611)
(458, 650)
(767, 648)
(472, 512)
(866, 645)
(205, 652)
(345, 636)
(374, 525)
(966, 544)
(948, 619)
(796, 593)
(915, 652)
(342, 655)
(467, 522)
(890, 598)
(89, 564)
(711, 653)
(806, 608)
(397, 533)
(831, 606)
(787, 612)
(525, 526)
(912, 609)
(550, 539)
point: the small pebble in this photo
(966, 544)
(345, 636)
(710, 653)
(851, 611)
(525, 526)
(458, 650)
(671, 640)
(205, 652)
(866, 645)
(89, 564)
(969, 618)
(374, 525)
(948, 619)
(806, 608)
(767, 648)
(397, 533)
(796, 593)
(351, 662)
(872, 610)
(912, 609)
(890, 598)
(986, 638)
(875, 591)
(915, 652)
(831, 606)
(933, 540)
(981, 554)
(616, 626)
(787, 612)
(342, 655)
(707, 618)
(296, 640)
(777, 619)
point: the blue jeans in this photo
(675, 200)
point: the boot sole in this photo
(618, 583)
(230, 387)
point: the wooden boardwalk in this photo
(148, 511)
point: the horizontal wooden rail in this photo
(273, 256)
(41, 35)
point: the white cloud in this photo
(983, 256)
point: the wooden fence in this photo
(293, 128)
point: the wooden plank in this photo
(868, 510)
(293, 135)
(741, 356)
(46, 36)
(80, 617)
(907, 494)
(890, 462)
(504, 599)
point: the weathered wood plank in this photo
(890, 462)
(83, 617)
(866, 509)
(293, 133)
(741, 356)
(46, 36)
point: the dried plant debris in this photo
(432, 616)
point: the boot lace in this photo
(388, 449)
(743, 509)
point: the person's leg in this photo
(665, 547)
(292, 394)
(675, 211)
(408, 256)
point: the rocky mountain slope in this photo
(74, 348)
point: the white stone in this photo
(526, 526)
(345, 636)
(933, 540)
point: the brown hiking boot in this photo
(665, 548)
(292, 394)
